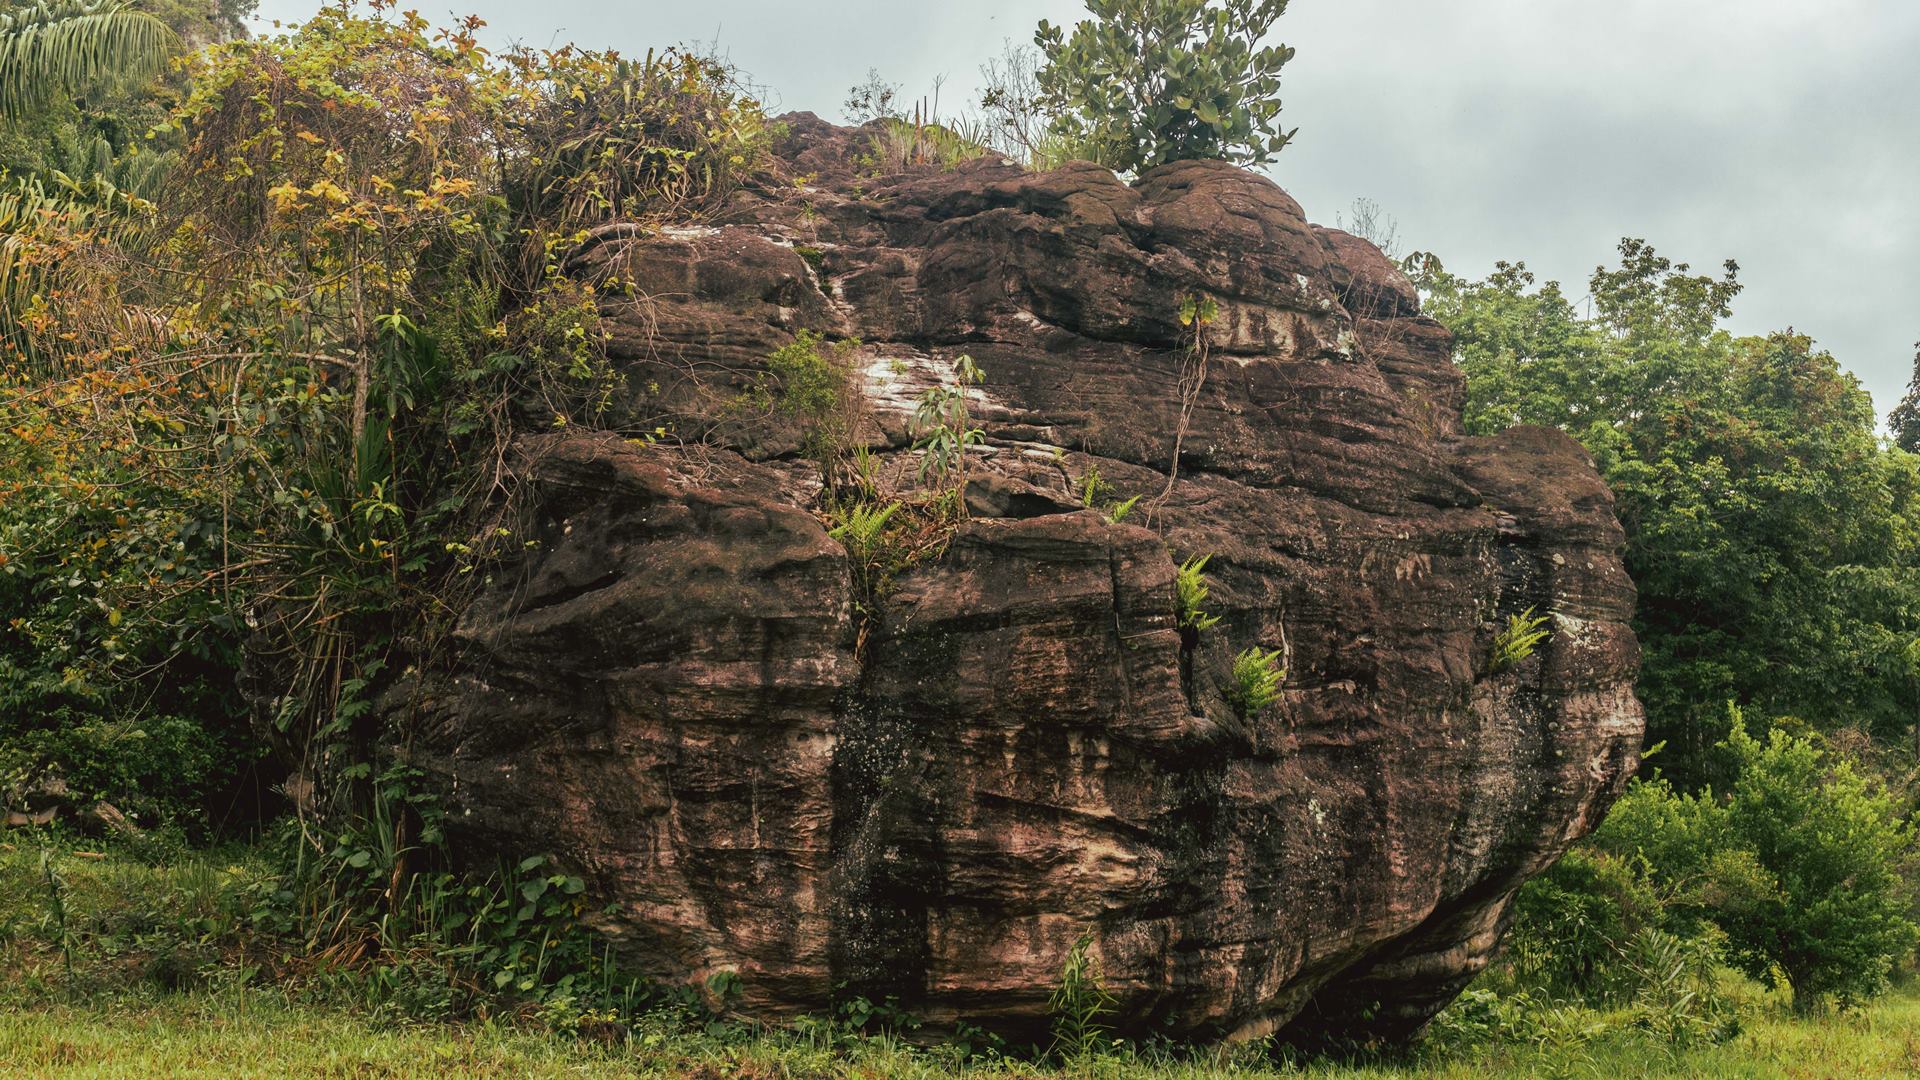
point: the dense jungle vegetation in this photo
(270, 312)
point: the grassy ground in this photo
(152, 993)
(247, 1033)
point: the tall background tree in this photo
(1774, 539)
(1904, 420)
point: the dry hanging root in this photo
(1196, 312)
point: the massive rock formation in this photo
(937, 792)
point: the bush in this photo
(1799, 866)
(1147, 82)
(365, 258)
(1836, 921)
(1574, 923)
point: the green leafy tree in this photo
(1775, 542)
(1904, 420)
(1146, 82)
(1837, 920)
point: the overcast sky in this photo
(1782, 134)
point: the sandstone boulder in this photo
(936, 792)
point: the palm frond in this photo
(54, 244)
(64, 46)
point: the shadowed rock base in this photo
(675, 694)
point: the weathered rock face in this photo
(677, 695)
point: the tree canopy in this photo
(1774, 540)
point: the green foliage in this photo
(1798, 866)
(863, 528)
(604, 137)
(1257, 676)
(64, 47)
(1080, 1004)
(910, 143)
(1774, 541)
(1676, 989)
(54, 922)
(1093, 487)
(1517, 640)
(1190, 593)
(1147, 82)
(283, 405)
(105, 133)
(1574, 923)
(388, 924)
(1197, 311)
(1904, 420)
(943, 426)
(820, 388)
(1097, 494)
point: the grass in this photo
(241, 1032)
(210, 1012)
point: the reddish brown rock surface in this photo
(1025, 748)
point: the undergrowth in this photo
(186, 960)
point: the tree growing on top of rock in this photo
(1146, 82)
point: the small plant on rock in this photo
(1191, 592)
(862, 528)
(817, 385)
(944, 428)
(1197, 312)
(1080, 1003)
(1257, 676)
(1097, 494)
(1523, 634)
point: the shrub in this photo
(605, 137)
(821, 389)
(1799, 866)
(1146, 82)
(1572, 924)
(1836, 920)
(874, 99)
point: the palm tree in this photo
(61, 47)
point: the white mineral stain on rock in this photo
(895, 383)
